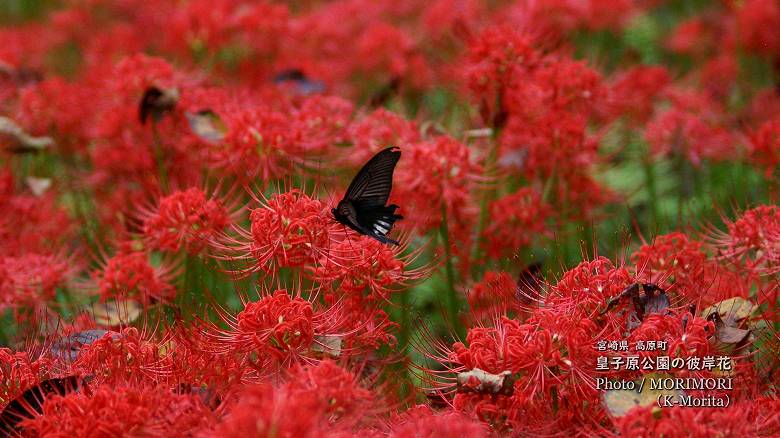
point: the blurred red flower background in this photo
(579, 180)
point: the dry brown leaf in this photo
(116, 313)
(732, 310)
(487, 383)
(38, 186)
(23, 142)
(619, 402)
(207, 125)
(327, 344)
(68, 348)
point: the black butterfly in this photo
(363, 208)
(156, 102)
(30, 403)
(300, 83)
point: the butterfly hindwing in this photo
(378, 221)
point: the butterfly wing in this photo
(378, 221)
(364, 203)
(373, 183)
(29, 403)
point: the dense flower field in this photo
(587, 188)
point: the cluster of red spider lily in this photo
(170, 266)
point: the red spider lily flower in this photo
(496, 60)
(28, 44)
(582, 195)
(257, 145)
(186, 349)
(719, 75)
(58, 107)
(289, 229)
(268, 142)
(765, 147)
(444, 18)
(634, 92)
(494, 295)
(678, 260)
(495, 349)
(763, 107)
(722, 282)
(319, 123)
(695, 36)
(128, 169)
(133, 159)
(355, 266)
(357, 276)
(701, 422)
(121, 92)
(322, 41)
(558, 85)
(573, 153)
(546, 360)
(263, 410)
(278, 330)
(199, 28)
(693, 127)
(423, 422)
(31, 280)
(114, 42)
(31, 224)
(558, 96)
(277, 324)
(548, 22)
(317, 400)
(752, 240)
(682, 262)
(547, 120)
(134, 74)
(607, 15)
(132, 356)
(130, 274)
(573, 340)
(685, 335)
(339, 391)
(186, 220)
(122, 410)
(672, 258)
(515, 221)
(436, 179)
(587, 287)
(756, 21)
(388, 50)
(20, 371)
(380, 129)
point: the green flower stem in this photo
(586, 238)
(190, 268)
(652, 191)
(159, 157)
(484, 205)
(404, 333)
(451, 297)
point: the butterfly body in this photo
(156, 102)
(363, 208)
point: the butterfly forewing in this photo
(372, 185)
